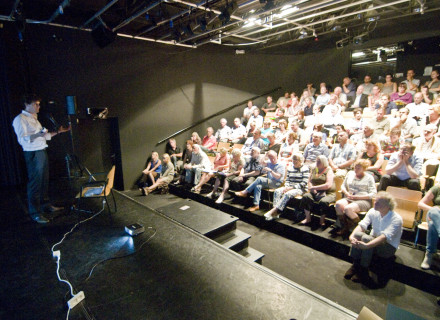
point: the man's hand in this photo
(64, 129)
(37, 135)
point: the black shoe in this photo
(351, 272)
(40, 219)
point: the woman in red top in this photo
(221, 163)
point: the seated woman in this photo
(373, 154)
(430, 203)
(401, 97)
(358, 189)
(282, 132)
(234, 171)
(301, 119)
(221, 163)
(272, 143)
(151, 172)
(195, 138)
(434, 84)
(288, 148)
(295, 185)
(251, 130)
(321, 191)
(166, 176)
(391, 144)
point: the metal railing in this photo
(216, 114)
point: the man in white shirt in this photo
(382, 241)
(223, 133)
(255, 117)
(342, 97)
(332, 102)
(418, 110)
(33, 139)
(323, 98)
(238, 132)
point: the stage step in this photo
(252, 255)
(235, 240)
(407, 265)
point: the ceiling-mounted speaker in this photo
(103, 35)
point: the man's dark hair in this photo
(29, 98)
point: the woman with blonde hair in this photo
(372, 153)
(151, 172)
(321, 191)
(358, 189)
(166, 176)
(221, 163)
(195, 138)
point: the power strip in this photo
(77, 298)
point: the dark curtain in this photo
(9, 150)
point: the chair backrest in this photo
(338, 183)
(223, 145)
(367, 113)
(407, 204)
(348, 114)
(212, 159)
(238, 146)
(110, 181)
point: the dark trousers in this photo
(391, 180)
(38, 185)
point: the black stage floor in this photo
(168, 272)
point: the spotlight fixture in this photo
(363, 37)
(342, 43)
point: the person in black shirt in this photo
(173, 151)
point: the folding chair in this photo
(97, 189)
(407, 204)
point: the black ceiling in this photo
(242, 24)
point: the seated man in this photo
(349, 88)
(342, 155)
(403, 169)
(323, 98)
(251, 170)
(199, 162)
(360, 100)
(166, 176)
(247, 112)
(254, 141)
(300, 134)
(407, 125)
(238, 132)
(411, 83)
(269, 106)
(222, 134)
(385, 103)
(360, 139)
(275, 176)
(368, 86)
(209, 142)
(380, 124)
(428, 146)
(418, 110)
(382, 241)
(333, 102)
(314, 149)
(341, 97)
(430, 204)
(255, 117)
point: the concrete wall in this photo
(156, 90)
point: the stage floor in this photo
(176, 274)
